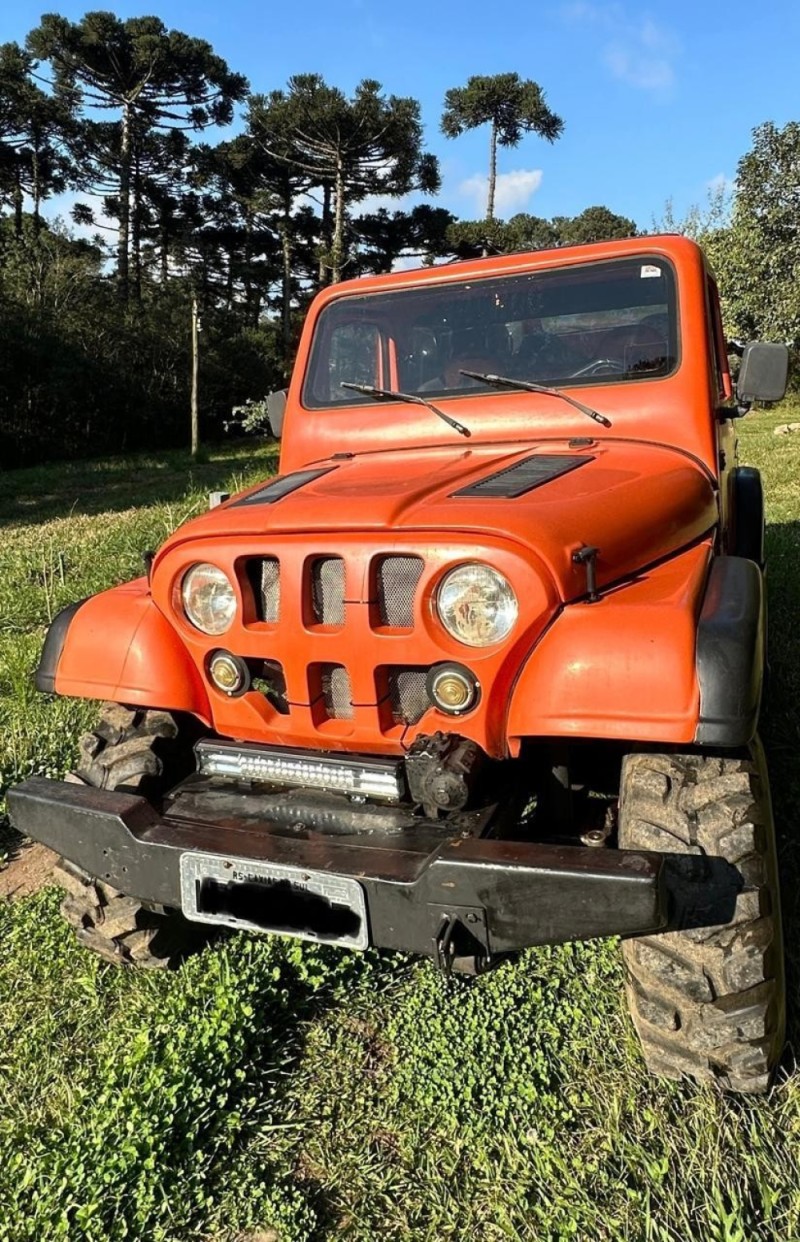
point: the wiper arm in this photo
(389, 394)
(505, 381)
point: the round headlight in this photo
(477, 605)
(209, 600)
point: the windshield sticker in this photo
(649, 269)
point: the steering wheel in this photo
(600, 366)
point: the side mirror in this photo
(764, 373)
(276, 408)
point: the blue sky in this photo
(658, 100)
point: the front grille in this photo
(407, 694)
(337, 693)
(327, 590)
(397, 578)
(267, 578)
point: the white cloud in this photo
(636, 50)
(721, 184)
(513, 191)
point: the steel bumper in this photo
(421, 888)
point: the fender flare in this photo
(747, 514)
(119, 646)
(730, 652)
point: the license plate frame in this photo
(235, 885)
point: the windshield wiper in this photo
(389, 394)
(505, 381)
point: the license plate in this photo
(270, 897)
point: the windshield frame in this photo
(373, 316)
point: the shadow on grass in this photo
(41, 493)
(780, 728)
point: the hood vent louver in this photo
(524, 476)
(284, 486)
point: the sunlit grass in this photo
(327, 1095)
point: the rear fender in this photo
(119, 646)
(622, 667)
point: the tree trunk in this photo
(492, 181)
(337, 252)
(124, 204)
(19, 200)
(326, 234)
(136, 227)
(164, 247)
(492, 171)
(37, 187)
(195, 377)
(286, 290)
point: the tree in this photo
(351, 148)
(757, 255)
(381, 238)
(33, 126)
(594, 224)
(511, 107)
(467, 239)
(153, 78)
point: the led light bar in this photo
(273, 765)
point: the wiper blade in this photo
(505, 381)
(389, 394)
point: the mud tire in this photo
(708, 1002)
(143, 752)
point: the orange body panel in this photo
(621, 667)
(674, 411)
(120, 647)
(646, 495)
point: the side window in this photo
(354, 356)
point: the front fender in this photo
(119, 646)
(620, 668)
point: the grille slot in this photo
(337, 692)
(397, 578)
(407, 694)
(327, 590)
(265, 576)
(269, 679)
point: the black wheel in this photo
(144, 752)
(708, 1002)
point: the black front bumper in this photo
(422, 887)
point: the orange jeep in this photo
(480, 669)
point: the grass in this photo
(316, 1095)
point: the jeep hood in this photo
(635, 502)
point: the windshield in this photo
(593, 323)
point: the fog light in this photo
(452, 688)
(228, 673)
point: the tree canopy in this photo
(510, 106)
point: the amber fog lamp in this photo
(228, 673)
(452, 688)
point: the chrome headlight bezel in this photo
(214, 613)
(481, 581)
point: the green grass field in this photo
(315, 1094)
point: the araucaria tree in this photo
(152, 78)
(348, 148)
(510, 105)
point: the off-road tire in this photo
(708, 1002)
(143, 752)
